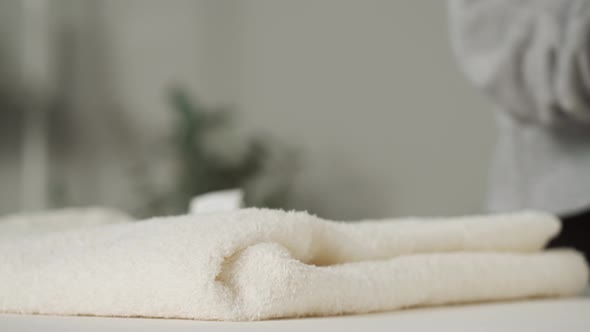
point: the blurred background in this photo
(349, 109)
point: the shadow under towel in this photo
(256, 264)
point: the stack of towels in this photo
(254, 264)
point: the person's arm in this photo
(530, 56)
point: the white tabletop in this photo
(569, 314)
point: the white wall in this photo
(368, 90)
(371, 92)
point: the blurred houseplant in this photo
(210, 153)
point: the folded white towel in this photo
(257, 264)
(59, 220)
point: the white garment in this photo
(531, 58)
(256, 264)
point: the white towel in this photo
(59, 220)
(257, 264)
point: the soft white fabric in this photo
(59, 220)
(531, 58)
(257, 264)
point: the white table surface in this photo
(568, 314)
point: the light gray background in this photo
(368, 90)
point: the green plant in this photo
(209, 154)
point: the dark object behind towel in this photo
(575, 233)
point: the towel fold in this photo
(256, 264)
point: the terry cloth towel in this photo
(58, 220)
(256, 264)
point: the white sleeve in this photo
(529, 56)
